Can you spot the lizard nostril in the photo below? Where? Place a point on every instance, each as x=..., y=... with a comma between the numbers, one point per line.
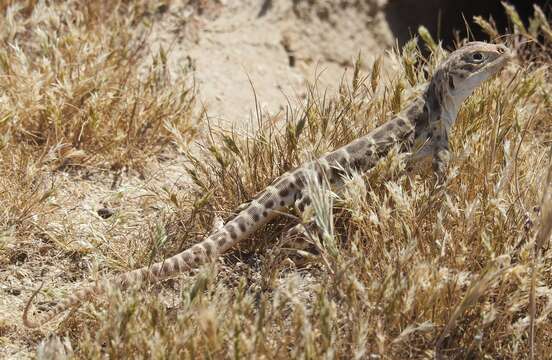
x=501, y=50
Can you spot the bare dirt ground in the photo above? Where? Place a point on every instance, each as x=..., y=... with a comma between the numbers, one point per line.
x=237, y=49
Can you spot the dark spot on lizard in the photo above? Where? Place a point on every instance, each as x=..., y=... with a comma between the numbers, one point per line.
x=359, y=163
x=241, y=224
x=301, y=178
x=253, y=212
x=231, y=230
x=451, y=82
x=356, y=146
x=401, y=123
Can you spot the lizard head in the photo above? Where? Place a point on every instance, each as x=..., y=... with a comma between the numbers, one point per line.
x=461, y=73
x=472, y=64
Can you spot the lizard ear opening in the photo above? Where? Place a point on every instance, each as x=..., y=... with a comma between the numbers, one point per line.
x=451, y=82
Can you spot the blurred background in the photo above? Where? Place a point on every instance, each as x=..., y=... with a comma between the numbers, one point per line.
x=448, y=19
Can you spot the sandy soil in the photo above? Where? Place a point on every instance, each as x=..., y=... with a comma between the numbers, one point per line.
x=236, y=49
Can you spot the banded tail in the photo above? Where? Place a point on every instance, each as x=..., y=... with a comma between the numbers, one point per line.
x=275, y=198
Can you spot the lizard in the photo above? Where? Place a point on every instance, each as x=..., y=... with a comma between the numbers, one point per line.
x=421, y=129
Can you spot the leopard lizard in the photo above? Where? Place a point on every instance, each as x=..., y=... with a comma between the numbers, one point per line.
x=421, y=129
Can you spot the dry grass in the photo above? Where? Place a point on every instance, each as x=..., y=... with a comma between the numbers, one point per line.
x=405, y=269
x=76, y=88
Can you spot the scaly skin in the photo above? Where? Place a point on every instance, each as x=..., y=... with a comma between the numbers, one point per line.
x=421, y=129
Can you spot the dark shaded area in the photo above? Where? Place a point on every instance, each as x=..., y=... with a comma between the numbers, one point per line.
x=445, y=18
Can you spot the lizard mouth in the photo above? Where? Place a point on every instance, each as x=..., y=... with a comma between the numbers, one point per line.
x=496, y=65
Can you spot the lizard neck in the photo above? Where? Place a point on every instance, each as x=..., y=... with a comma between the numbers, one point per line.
x=440, y=104
x=444, y=96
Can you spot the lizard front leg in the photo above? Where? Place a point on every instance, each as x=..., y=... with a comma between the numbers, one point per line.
x=440, y=151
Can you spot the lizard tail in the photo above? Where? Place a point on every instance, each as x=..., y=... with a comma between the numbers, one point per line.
x=179, y=263
x=214, y=245
x=67, y=303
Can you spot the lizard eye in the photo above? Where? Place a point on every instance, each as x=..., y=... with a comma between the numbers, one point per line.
x=477, y=56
